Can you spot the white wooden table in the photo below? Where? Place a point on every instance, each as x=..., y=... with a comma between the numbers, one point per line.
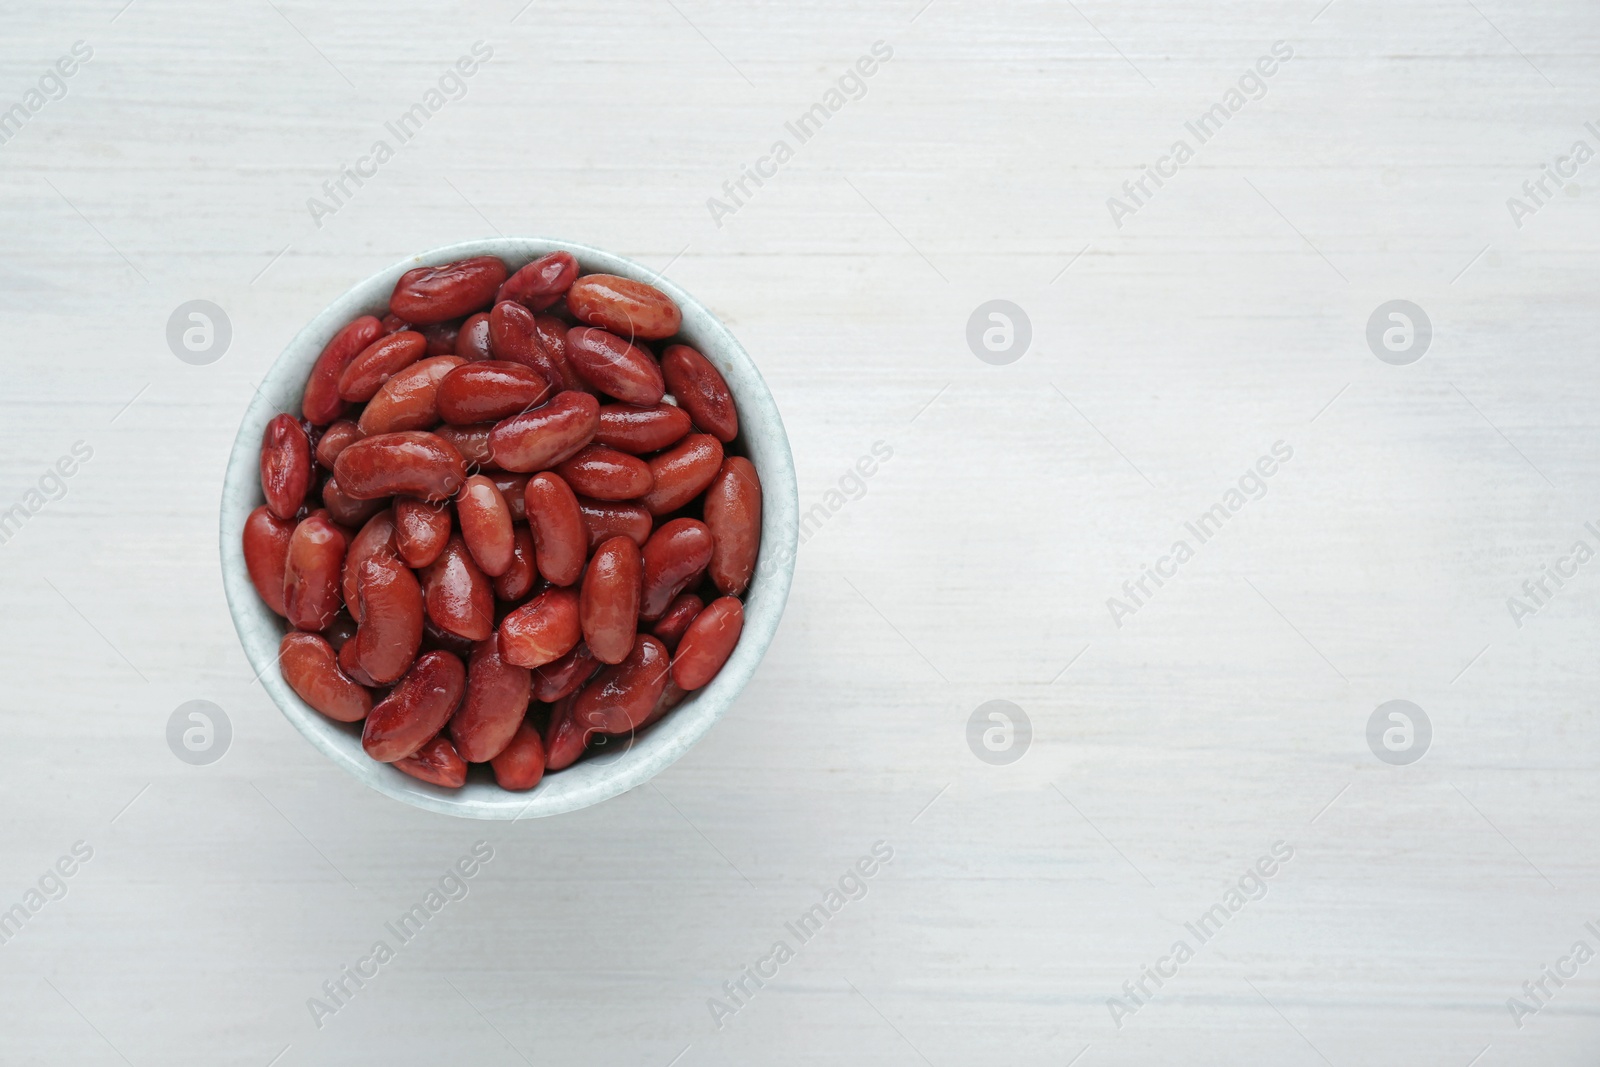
x=1169, y=754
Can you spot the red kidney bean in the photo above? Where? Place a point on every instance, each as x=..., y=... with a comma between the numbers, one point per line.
x=682, y=473
x=700, y=390
x=472, y=342
x=457, y=594
x=605, y=519
x=390, y=632
x=441, y=338
x=565, y=676
x=489, y=390
x=605, y=474
x=285, y=465
x=520, y=765
x=352, y=668
x=436, y=763
x=346, y=510
x=608, y=604
x=732, y=511
x=412, y=462
x=393, y=323
x=410, y=399
x=322, y=403
x=517, y=581
x=380, y=361
x=708, y=643
x=336, y=439
x=494, y=706
x=538, y=439
x=541, y=283
x=565, y=738
x=614, y=366
x=511, y=487
x=620, y=697
x=311, y=573
x=485, y=527
x=433, y=294
x=535, y=341
x=674, y=558
x=671, y=697
x=640, y=430
x=623, y=306
x=311, y=667
x=421, y=530
x=676, y=619
x=435, y=638
x=550, y=332
x=416, y=709
x=266, y=552
x=560, y=537
x=542, y=630
x=471, y=441
x=376, y=538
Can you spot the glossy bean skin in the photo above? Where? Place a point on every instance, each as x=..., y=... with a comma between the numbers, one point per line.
x=638, y=430
x=346, y=510
x=421, y=530
x=708, y=643
x=615, y=366
x=266, y=552
x=623, y=306
x=489, y=390
x=701, y=391
x=410, y=399
x=512, y=487
x=565, y=676
x=285, y=465
x=393, y=323
x=682, y=473
x=434, y=294
x=410, y=463
x=539, y=439
x=376, y=538
x=435, y=638
x=514, y=336
x=674, y=558
x=520, y=765
x=311, y=667
x=551, y=334
x=380, y=361
x=485, y=527
x=540, y=283
x=517, y=581
x=605, y=474
x=311, y=596
x=335, y=439
x=416, y=709
x=605, y=519
x=457, y=594
x=441, y=337
x=565, y=738
x=560, y=538
x=542, y=630
x=732, y=512
x=671, y=697
x=390, y=632
x=608, y=602
x=471, y=441
x=322, y=403
x=436, y=763
x=676, y=619
x=495, y=704
x=351, y=667
x=622, y=696
x=472, y=342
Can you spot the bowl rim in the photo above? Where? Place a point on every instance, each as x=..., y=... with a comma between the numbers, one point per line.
x=597, y=778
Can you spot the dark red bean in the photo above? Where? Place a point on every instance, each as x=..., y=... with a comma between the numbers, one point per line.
x=517, y=581
x=472, y=343
x=457, y=593
x=346, y=510
x=605, y=519
x=433, y=294
x=311, y=596
x=542, y=282
x=623, y=306
x=494, y=706
x=322, y=403
x=471, y=441
x=614, y=366
x=674, y=558
x=708, y=643
x=285, y=466
x=542, y=630
x=441, y=337
x=539, y=439
x=560, y=537
x=489, y=390
x=417, y=708
x=336, y=439
x=682, y=473
x=565, y=676
x=421, y=530
x=351, y=667
x=605, y=474
x=410, y=399
x=376, y=538
x=676, y=619
x=641, y=430
x=266, y=550
x=380, y=361
x=485, y=527
x=608, y=604
x=565, y=738
x=511, y=487
x=732, y=511
x=520, y=765
x=311, y=667
x=701, y=391
x=411, y=463
x=620, y=697
x=436, y=763
x=550, y=332
x=390, y=632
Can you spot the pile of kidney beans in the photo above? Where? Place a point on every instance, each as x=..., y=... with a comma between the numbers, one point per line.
x=502, y=526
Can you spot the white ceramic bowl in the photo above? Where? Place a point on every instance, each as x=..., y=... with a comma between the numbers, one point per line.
x=597, y=777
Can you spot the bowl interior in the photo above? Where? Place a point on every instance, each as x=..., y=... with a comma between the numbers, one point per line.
x=630, y=761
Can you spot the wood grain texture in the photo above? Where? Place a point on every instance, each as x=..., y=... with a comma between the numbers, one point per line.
x=1228, y=313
